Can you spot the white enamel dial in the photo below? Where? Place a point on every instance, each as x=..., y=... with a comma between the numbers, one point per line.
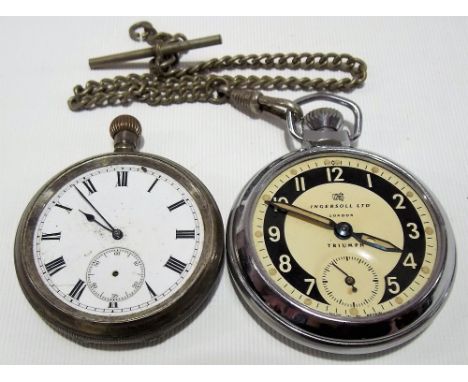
x=118, y=240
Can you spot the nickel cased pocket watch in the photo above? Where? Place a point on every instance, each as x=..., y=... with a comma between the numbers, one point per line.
x=120, y=249
x=337, y=248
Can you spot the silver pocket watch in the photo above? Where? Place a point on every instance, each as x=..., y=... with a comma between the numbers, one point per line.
x=337, y=248
x=120, y=249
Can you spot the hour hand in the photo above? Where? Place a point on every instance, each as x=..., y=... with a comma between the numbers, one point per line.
x=92, y=218
x=308, y=216
x=376, y=242
x=116, y=233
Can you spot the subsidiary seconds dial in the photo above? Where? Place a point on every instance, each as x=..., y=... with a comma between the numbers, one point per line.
x=349, y=281
x=108, y=268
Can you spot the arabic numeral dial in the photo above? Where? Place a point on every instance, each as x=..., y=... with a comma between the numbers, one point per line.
x=347, y=237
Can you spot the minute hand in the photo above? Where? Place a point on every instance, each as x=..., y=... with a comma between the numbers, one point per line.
x=94, y=208
x=306, y=215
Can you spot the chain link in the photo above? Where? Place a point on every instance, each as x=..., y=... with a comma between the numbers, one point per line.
x=167, y=84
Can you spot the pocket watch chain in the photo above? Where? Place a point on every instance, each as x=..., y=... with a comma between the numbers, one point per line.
x=167, y=83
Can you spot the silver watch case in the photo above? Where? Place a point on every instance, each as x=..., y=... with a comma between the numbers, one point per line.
x=135, y=329
x=313, y=329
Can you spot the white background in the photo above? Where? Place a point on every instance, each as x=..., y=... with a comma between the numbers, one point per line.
x=414, y=105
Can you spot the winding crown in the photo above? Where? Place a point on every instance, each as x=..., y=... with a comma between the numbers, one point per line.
x=125, y=122
x=324, y=117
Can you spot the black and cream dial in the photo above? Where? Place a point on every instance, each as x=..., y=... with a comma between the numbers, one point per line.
x=117, y=240
x=342, y=212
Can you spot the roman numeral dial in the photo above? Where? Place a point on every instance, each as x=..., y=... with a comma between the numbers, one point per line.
x=89, y=186
x=176, y=205
x=68, y=209
x=153, y=184
x=118, y=240
x=185, y=234
x=122, y=178
x=150, y=290
x=51, y=236
x=78, y=289
x=55, y=265
x=175, y=265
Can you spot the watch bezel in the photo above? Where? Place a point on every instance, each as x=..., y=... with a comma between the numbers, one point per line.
x=139, y=327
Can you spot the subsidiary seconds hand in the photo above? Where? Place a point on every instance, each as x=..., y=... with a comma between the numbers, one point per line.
x=349, y=280
x=117, y=234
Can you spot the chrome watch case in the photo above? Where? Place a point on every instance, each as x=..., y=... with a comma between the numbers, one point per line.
x=328, y=333
x=142, y=328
